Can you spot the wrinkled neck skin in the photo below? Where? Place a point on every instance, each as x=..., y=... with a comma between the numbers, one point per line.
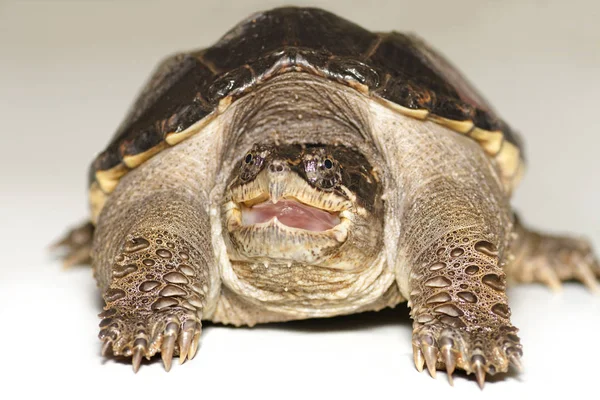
x=302, y=109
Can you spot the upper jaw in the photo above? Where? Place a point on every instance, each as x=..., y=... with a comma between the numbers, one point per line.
x=287, y=186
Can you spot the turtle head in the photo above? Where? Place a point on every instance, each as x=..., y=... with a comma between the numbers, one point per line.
x=309, y=204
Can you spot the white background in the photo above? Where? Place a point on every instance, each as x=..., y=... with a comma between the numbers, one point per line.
x=68, y=71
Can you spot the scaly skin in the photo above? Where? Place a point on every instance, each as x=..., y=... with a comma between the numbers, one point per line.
x=460, y=311
x=454, y=227
x=155, y=299
x=153, y=260
x=455, y=244
x=448, y=229
x=536, y=257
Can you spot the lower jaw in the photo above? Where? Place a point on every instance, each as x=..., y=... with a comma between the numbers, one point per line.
x=273, y=242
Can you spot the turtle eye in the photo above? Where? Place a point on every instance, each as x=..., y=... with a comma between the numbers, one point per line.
x=252, y=164
x=322, y=171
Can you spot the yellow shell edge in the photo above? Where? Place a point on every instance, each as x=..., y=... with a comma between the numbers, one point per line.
x=108, y=179
x=133, y=161
x=409, y=112
x=491, y=141
x=175, y=137
x=97, y=198
x=463, y=127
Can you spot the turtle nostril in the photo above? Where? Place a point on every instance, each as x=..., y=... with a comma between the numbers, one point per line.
x=276, y=167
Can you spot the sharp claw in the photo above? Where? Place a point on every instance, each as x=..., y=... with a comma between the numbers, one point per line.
x=595, y=266
x=418, y=357
x=60, y=243
x=479, y=374
x=168, y=344
x=166, y=353
x=549, y=277
x=450, y=379
x=185, y=340
x=430, y=353
x=450, y=360
x=515, y=360
x=106, y=347
x=79, y=256
x=138, y=352
x=194, y=345
x=586, y=276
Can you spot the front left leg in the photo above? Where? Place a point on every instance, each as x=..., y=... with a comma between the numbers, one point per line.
x=460, y=309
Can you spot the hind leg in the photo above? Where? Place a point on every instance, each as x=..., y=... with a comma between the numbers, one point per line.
x=550, y=259
x=78, y=245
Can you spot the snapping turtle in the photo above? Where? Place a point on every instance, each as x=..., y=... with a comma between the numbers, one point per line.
x=305, y=167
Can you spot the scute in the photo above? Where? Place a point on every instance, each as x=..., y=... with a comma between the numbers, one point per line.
x=187, y=90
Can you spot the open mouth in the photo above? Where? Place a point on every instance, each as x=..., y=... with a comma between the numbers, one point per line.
x=286, y=221
x=291, y=213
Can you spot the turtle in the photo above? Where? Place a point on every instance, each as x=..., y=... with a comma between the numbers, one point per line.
x=305, y=167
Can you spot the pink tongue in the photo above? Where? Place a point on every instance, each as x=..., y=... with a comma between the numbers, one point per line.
x=291, y=213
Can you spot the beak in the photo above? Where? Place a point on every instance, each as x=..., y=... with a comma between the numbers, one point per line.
x=276, y=174
x=276, y=191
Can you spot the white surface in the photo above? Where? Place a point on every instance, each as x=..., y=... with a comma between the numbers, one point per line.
x=69, y=71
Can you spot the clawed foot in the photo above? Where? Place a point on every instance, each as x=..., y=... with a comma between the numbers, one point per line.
x=176, y=331
x=553, y=259
x=478, y=350
x=78, y=245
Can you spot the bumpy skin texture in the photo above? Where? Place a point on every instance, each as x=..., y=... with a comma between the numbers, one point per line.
x=455, y=228
x=460, y=308
x=153, y=261
x=155, y=297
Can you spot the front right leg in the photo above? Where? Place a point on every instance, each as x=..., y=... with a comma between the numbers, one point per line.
x=155, y=298
x=154, y=262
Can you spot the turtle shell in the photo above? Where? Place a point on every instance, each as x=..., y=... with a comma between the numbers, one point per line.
x=187, y=90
